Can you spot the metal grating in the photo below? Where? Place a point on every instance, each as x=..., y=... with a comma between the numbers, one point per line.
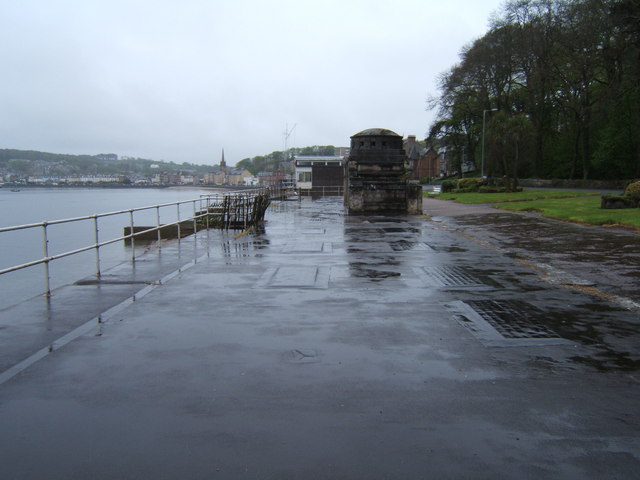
x=400, y=230
x=444, y=276
x=512, y=319
x=404, y=245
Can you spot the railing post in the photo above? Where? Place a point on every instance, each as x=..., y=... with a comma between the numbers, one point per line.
x=158, y=225
x=97, y=244
x=195, y=220
x=178, y=210
x=133, y=238
x=45, y=251
x=207, y=210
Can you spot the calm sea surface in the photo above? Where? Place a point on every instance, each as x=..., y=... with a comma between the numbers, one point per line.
x=33, y=205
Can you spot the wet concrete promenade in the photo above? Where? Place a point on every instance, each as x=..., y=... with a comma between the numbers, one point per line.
x=468, y=344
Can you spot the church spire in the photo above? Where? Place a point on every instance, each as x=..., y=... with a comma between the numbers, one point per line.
x=223, y=164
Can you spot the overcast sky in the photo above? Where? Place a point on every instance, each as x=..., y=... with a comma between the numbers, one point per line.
x=179, y=80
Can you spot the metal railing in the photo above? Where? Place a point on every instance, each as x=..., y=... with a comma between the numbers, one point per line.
x=201, y=213
x=321, y=191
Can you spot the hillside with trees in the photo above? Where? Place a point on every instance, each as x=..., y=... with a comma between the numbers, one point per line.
x=279, y=161
x=554, y=85
x=31, y=162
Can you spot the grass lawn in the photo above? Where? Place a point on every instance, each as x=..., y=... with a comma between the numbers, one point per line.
x=510, y=197
x=573, y=206
x=579, y=209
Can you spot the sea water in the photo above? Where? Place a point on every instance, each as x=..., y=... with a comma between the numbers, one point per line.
x=35, y=205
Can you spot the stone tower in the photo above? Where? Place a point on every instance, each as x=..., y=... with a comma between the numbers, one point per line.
x=376, y=177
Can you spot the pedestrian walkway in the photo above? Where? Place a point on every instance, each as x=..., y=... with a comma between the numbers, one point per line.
x=605, y=259
x=336, y=347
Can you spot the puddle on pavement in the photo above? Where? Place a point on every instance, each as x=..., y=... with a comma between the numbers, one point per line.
x=609, y=361
x=450, y=249
x=400, y=230
x=369, y=270
x=374, y=275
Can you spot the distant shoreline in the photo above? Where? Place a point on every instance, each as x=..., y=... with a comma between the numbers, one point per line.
x=128, y=186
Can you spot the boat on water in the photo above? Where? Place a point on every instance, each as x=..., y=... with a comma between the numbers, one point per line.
x=15, y=189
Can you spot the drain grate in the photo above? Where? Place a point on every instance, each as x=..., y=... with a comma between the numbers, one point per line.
x=400, y=230
x=452, y=277
x=404, y=245
x=505, y=323
x=512, y=319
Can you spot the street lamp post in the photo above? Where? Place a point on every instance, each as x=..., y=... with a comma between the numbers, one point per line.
x=484, y=116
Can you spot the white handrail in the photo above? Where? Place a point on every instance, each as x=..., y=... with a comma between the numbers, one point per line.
x=204, y=202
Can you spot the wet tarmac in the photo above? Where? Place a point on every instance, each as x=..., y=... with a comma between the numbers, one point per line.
x=467, y=344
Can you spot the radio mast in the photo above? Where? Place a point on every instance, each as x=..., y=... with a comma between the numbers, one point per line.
x=287, y=133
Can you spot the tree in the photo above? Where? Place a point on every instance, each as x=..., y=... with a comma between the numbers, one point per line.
x=510, y=135
x=571, y=68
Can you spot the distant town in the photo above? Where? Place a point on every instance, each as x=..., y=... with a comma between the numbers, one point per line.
x=311, y=169
x=33, y=168
x=306, y=168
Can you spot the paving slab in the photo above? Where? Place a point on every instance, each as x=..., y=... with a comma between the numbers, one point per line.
x=334, y=346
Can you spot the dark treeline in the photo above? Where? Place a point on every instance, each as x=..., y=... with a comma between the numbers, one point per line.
x=556, y=86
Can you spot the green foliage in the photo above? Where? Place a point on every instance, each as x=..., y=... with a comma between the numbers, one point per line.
x=633, y=190
x=321, y=150
x=449, y=186
x=564, y=78
x=281, y=161
x=244, y=163
x=470, y=184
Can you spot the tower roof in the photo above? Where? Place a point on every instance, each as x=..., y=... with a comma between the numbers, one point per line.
x=376, y=132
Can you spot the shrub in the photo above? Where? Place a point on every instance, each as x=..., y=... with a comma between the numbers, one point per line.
x=448, y=186
x=470, y=184
x=467, y=182
x=633, y=190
